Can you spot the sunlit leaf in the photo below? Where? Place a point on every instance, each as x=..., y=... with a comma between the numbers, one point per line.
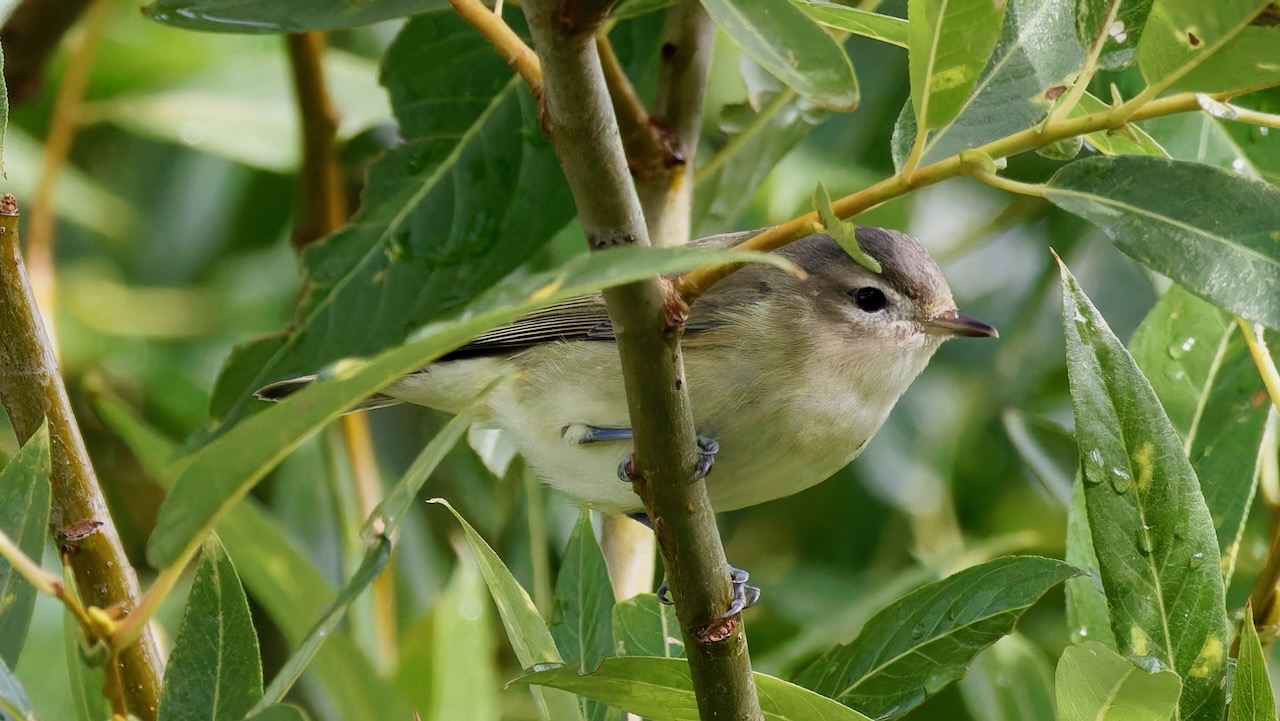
x=280, y=16
x=214, y=671
x=444, y=216
x=527, y=632
x=662, y=690
x=1219, y=243
x=1095, y=684
x=1208, y=47
x=927, y=639
x=884, y=28
x=24, y=518
x=788, y=44
x=644, y=626
x=1010, y=681
x=1037, y=50
x=1132, y=140
x=949, y=42
x=218, y=475
x=1251, y=696
x=1156, y=545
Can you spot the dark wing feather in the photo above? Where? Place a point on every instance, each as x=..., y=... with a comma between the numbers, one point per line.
x=577, y=319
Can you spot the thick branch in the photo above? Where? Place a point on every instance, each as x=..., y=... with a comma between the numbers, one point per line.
x=647, y=318
x=31, y=389
x=29, y=37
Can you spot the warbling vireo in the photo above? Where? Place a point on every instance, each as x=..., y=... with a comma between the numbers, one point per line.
x=790, y=376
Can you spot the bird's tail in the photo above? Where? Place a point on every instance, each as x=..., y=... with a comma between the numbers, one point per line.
x=280, y=390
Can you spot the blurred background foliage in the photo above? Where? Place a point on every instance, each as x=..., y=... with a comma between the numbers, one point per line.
x=173, y=217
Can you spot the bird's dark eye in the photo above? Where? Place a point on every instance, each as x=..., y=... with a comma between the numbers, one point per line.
x=869, y=299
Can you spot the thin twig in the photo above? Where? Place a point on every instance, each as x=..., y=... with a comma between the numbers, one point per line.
x=642, y=140
x=696, y=282
x=579, y=120
x=57, y=146
x=500, y=35
x=322, y=203
x=32, y=390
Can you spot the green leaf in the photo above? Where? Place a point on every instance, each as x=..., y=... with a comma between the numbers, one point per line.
x=280, y=16
x=841, y=231
x=788, y=44
x=662, y=690
x=445, y=216
x=1220, y=243
x=1047, y=449
x=1095, y=684
x=279, y=577
x=86, y=678
x=1192, y=45
x=24, y=518
x=1200, y=137
x=215, y=671
x=1251, y=696
x=14, y=703
x=1155, y=541
x=927, y=639
x=1087, y=614
x=279, y=712
x=950, y=42
x=1132, y=140
x=1200, y=368
x=885, y=28
x=447, y=665
x=530, y=639
x=582, y=619
x=375, y=559
x=1036, y=50
x=757, y=134
x=218, y=475
x=1096, y=21
x=644, y=626
x=1010, y=681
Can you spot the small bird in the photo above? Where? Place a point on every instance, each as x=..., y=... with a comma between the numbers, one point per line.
x=789, y=377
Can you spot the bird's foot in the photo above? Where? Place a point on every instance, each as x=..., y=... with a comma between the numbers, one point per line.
x=744, y=596
x=707, y=450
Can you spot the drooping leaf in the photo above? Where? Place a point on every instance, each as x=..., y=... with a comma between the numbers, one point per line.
x=1117, y=24
x=1219, y=243
x=842, y=231
x=1037, y=50
x=447, y=665
x=643, y=626
x=757, y=134
x=949, y=43
x=1095, y=684
x=444, y=216
x=215, y=670
x=783, y=40
x=1251, y=696
x=884, y=28
x=218, y=475
x=278, y=576
x=1200, y=368
x=1155, y=541
x=1087, y=614
x=24, y=518
x=582, y=619
x=280, y=16
x=1208, y=47
x=927, y=639
x=14, y=703
x=662, y=690
x=527, y=632
x=1133, y=140
x=1010, y=681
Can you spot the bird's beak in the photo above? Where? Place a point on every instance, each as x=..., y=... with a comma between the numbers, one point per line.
x=953, y=322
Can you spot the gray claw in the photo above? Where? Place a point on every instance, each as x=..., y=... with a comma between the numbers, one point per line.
x=663, y=590
x=744, y=596
x=707, y=450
